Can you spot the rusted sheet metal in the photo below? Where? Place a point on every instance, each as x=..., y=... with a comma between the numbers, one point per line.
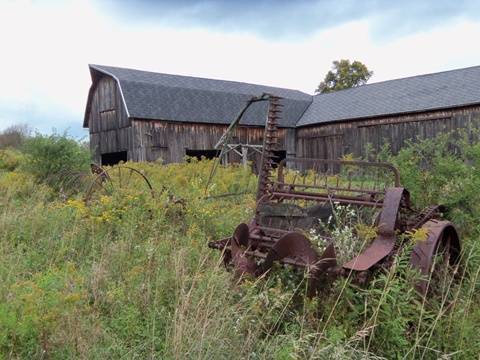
x=295, y=246
x=441, y=234
x=385, y=241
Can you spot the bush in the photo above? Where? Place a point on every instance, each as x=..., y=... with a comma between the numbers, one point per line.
x=49, y=156
x=10, y=159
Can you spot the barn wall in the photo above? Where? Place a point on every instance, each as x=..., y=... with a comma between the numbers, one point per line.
x=331, y=141
x=169, y=140
x=108, y=123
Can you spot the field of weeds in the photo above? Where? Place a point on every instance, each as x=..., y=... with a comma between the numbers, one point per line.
x=130, y=276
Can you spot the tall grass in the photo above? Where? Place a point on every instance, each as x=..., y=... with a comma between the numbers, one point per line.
x=130, y=276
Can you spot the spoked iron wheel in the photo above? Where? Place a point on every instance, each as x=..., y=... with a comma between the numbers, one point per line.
x=437, y=258
x=118, y=179
x=70, y=183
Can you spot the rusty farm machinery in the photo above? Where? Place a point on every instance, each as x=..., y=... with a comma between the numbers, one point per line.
x=297, y=220
x=102, y=181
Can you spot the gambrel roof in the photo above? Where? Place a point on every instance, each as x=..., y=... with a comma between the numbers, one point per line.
x=149, y=95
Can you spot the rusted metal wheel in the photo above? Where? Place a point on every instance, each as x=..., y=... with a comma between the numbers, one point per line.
x=118, y=179
x=70, y=183
x=437, y=258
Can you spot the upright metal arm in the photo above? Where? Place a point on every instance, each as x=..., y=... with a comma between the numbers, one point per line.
x=225, y=138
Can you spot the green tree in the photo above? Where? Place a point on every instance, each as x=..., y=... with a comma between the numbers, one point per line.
x=344, y=75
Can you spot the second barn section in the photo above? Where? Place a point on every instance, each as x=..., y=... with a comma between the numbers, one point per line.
x=144, y=116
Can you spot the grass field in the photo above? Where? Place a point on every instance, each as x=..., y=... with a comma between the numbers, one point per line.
x=128, y=276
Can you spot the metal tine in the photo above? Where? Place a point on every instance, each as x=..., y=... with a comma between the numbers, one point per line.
x=129, y=176
x=362, y=177
x=119, y=177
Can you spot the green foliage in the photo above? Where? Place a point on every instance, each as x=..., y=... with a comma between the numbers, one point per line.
x=10, y=159
x=444, y=170
x=344, y=75
x=50, y=156
x=131, y=276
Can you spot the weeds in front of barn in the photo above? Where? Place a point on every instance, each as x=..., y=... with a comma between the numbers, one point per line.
x=131, y=276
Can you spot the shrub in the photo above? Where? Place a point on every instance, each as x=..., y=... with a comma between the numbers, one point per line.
x=50, y=156
x=10, y=159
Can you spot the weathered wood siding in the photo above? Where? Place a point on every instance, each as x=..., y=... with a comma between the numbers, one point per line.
x=170, y=140
x=331, y=141
x=109, y=125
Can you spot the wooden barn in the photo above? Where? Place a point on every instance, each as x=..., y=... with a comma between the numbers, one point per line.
x=144, y=116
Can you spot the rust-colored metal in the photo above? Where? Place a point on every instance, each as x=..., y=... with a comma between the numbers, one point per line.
x=114, y=179
x=441, y=236
x=289, y=205
x=385, y=240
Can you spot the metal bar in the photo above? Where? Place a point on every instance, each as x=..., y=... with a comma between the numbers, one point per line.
x=326, y=198
x=371, y=192
x=363, y=164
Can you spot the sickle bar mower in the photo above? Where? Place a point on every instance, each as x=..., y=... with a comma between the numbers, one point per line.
x=294, y=204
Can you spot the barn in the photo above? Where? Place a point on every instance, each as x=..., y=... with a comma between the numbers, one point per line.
x=144, y=116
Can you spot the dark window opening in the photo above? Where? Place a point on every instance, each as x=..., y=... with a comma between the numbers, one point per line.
x=114, y=158
x=208, y=154
x=278, y=155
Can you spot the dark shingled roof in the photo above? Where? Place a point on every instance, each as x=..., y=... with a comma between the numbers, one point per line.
x=151, y=95
x=413, y=94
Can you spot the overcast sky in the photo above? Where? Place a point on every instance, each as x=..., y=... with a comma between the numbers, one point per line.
x=45, y=46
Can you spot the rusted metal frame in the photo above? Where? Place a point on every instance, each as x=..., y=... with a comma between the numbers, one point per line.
x=350, y=189
x=239, y=116
x=426, y=215
x=266, y=228
x=269, y=144
x=385, y=240
x=330, y=194
x=325, y=198
x=225, y=138
x=384, y=165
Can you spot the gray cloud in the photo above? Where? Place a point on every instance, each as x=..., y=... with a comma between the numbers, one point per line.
x=283, y=18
